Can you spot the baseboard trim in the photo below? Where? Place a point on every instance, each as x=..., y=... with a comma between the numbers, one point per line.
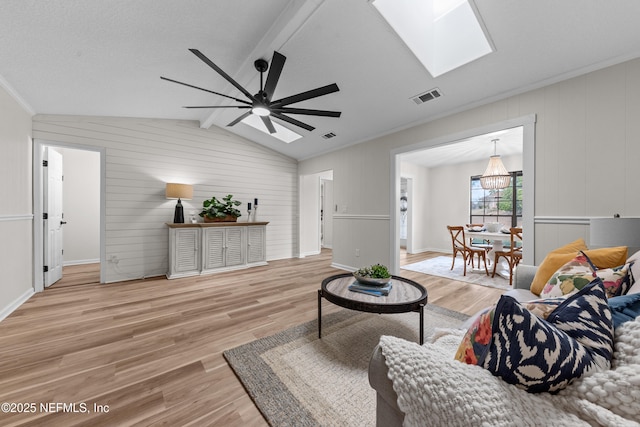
x=306, y=254
x=343, y=267
x=81, y=262
x=422, y=250
x=15, y=304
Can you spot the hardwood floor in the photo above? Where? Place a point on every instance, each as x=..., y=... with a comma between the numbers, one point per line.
x=78, y=275
x=151, y=350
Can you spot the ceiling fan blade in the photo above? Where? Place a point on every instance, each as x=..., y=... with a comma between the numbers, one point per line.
x=307, y=112
x=267, y=122
x=241, y=118
x=314, y=93
x=218, y=106
x=292, y=121
x=275, y=69
x=207, y=61
x=206, y=90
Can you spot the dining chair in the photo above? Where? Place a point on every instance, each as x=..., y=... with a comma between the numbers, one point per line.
x=512, y=254
x=459, y=243
x=475, y=241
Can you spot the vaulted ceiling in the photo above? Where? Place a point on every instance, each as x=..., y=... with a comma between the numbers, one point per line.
x=105, y=58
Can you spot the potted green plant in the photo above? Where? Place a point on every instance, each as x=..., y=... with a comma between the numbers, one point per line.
x=214, y=210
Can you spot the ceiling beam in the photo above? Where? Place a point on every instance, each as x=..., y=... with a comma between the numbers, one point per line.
x=290, y=21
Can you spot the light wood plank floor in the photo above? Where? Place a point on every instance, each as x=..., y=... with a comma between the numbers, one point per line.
x=151, y=350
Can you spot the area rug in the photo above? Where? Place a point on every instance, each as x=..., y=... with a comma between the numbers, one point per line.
x=441, y=266
x=296, y=379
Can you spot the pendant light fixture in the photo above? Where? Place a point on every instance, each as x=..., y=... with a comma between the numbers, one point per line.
x=496, y=175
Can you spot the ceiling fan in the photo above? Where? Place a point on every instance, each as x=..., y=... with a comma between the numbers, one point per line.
x=261, y=104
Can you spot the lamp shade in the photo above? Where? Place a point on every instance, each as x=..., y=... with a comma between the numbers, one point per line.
x=608, y=232
x=496, y=175
x=179, y=191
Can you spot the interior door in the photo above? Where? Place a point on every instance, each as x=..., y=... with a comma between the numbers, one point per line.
x=54, y=220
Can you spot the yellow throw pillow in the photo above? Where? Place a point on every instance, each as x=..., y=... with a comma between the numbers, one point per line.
x=601, y=258
x=608, y=257
x=553, y=261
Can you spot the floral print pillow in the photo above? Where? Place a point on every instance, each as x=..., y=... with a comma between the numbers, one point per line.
x=475, y=343
x=579, y=272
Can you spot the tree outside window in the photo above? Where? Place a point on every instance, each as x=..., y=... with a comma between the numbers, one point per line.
x=503, y=206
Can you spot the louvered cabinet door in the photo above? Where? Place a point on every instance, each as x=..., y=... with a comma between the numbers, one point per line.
x=256, y=244
x=234, y=255
x=184, y=248
x=214, y=248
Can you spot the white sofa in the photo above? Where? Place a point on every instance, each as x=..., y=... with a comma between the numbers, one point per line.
x=457, y=394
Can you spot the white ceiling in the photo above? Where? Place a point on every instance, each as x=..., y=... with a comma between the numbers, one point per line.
x=509, y=142
x=105, y=57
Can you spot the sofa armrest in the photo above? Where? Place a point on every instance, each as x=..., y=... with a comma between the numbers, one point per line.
x=387, y=411
x=524, y=276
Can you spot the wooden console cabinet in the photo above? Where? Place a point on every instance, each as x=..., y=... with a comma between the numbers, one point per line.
x=207, y=248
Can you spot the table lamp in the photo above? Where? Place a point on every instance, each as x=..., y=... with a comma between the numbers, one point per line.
x=179, y=191
x=615, y=231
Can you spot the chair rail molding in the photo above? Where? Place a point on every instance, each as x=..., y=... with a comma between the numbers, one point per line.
x=18, y=217
x=577, y=220
x=364, y=217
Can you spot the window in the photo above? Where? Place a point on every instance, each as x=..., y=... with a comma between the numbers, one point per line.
x=503, y=206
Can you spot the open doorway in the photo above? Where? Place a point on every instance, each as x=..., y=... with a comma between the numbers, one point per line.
x=425, y=217
x=316, y=213
x=406, y=227
x=70, y=235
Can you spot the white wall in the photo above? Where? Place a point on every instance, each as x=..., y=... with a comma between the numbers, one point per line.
x=81, y=205
x=586, y=156
x=447, y=199
x=144, y=154
x=16, y=213
x=420, y=206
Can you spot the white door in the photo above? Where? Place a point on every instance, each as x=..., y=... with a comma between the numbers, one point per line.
x=54, y=218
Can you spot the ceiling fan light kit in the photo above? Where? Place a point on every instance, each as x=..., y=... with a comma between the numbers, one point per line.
x=261, y=104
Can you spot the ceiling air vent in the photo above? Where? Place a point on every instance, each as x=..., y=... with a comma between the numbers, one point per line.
x=427, y=96
x=328, y=135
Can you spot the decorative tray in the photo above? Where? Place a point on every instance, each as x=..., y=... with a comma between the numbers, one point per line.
x=371, y=281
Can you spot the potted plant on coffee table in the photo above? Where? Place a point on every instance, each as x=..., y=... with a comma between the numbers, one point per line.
x=214, y=210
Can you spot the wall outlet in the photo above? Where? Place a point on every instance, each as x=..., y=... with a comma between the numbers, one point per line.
x=114, y=259
x=357, y=252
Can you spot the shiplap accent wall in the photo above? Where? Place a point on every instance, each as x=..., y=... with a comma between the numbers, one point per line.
x=144, y=154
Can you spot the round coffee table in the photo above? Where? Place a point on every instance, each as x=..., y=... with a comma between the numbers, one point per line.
x=405, y=296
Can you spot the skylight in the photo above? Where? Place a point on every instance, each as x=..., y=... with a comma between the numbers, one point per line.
x=442, y=34
x=282, y=133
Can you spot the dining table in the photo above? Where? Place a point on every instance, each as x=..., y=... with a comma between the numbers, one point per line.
x=497, y=240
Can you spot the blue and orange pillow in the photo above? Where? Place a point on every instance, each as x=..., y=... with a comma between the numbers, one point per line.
x=541, y=354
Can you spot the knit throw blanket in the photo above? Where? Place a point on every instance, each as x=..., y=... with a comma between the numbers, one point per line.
x=434, y=389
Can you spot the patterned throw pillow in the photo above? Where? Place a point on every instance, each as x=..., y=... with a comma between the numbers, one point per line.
x=476, y=340
x=580, y=271
x=475, y=343
x=617, y=281
x=546, y=355
x=601, y=258
x=571, y=277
